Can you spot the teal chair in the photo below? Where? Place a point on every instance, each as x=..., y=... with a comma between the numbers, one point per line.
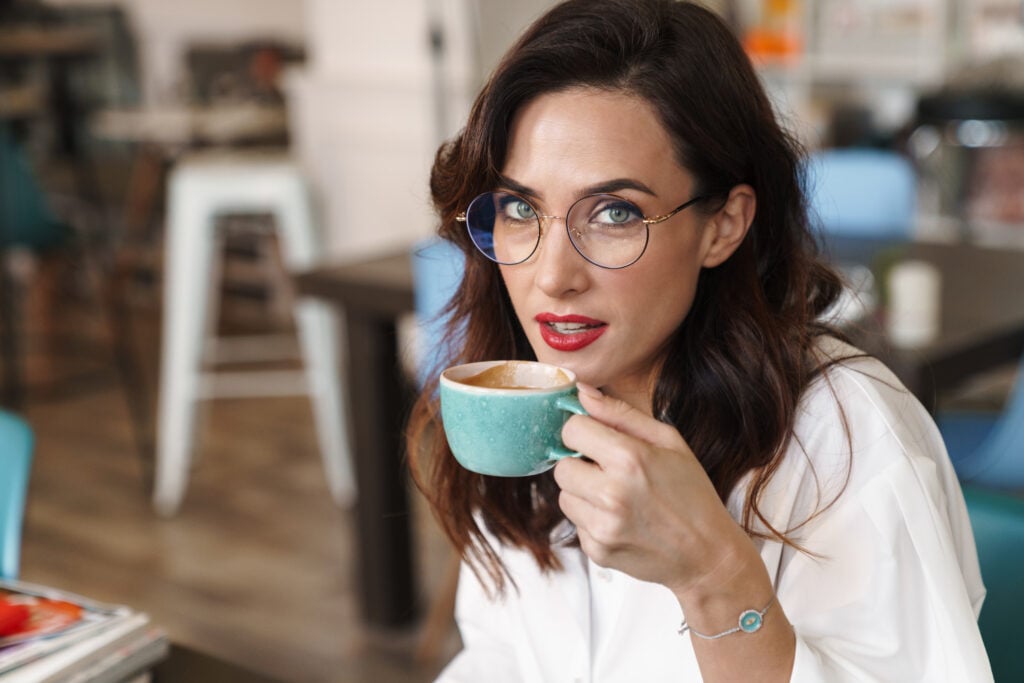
x=26, y=219
x=15, y=463
x=26, y=222
x=998, y=523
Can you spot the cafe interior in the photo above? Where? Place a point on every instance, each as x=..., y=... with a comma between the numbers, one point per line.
x=219, y=290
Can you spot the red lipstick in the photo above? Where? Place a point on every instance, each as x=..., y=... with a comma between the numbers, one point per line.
x=569, y=332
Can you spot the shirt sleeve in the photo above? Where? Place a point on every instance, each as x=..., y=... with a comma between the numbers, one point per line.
x=891, y=589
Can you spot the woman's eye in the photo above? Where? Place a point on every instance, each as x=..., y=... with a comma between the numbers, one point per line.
x=617, y=214
x=524, y=210
x=517, y=209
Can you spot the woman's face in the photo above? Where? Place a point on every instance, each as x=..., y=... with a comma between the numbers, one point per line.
x=609, y=326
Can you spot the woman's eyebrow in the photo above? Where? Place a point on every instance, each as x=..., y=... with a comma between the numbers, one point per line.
x=617, y=185
x=603, y=187
x=517, y=188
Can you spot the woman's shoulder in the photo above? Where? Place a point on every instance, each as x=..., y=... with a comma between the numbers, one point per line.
x=854, y=389
x=837, y=358
x=857, y=431
x=856, y=420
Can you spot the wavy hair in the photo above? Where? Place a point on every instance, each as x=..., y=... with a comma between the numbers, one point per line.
x=736, y=367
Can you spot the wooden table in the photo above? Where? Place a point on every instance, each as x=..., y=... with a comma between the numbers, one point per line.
x=371, y=296
x=177, y=127
x=982, y=326
x=981, y=312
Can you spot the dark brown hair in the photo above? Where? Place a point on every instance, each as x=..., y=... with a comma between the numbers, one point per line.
x=736, y=367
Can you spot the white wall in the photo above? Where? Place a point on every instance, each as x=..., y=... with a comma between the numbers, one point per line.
x=369, y=109
x=362, y=121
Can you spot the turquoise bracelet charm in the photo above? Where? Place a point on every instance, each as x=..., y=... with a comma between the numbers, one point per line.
x=750, y=621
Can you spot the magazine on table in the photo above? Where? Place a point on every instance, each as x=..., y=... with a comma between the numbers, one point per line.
x=39, y=621
x=111, y=655
x=131, y=656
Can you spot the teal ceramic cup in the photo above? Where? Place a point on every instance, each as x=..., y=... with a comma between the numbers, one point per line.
x=512, y=425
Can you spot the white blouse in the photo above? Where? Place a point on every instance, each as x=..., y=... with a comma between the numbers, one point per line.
x=891, y=593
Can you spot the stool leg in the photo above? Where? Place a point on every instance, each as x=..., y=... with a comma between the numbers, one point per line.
x=190, y=241
x=318, y=333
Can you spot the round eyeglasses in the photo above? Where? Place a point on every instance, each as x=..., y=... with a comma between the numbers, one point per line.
x=606, y=230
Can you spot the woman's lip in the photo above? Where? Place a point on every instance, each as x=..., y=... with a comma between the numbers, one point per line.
x=569, y=341
x=552, y=318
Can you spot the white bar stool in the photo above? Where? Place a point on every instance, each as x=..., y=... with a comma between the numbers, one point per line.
x=201, y=188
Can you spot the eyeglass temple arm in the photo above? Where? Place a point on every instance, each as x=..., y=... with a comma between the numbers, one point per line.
x=664, y=217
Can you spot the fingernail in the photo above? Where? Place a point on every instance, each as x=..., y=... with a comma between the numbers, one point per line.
x=592, y=392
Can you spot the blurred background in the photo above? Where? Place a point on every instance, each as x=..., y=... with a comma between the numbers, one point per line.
x=110, y=114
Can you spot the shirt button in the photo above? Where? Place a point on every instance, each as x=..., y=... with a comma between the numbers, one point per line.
x=604, y=574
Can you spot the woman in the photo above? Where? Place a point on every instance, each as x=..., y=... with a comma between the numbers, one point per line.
x=745, y=470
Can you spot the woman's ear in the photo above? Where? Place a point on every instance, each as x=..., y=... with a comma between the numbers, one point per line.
x=727, y=228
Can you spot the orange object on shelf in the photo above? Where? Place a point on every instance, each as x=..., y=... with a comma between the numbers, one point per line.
x=778, y=34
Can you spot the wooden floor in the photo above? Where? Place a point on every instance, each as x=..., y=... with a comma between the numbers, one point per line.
x=258, y=566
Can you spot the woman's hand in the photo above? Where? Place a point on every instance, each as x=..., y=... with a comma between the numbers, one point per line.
x=644, y=505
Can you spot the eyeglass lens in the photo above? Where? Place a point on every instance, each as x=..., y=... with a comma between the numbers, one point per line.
x=606, y=230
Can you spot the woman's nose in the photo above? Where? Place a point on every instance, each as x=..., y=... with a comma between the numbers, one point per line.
x=560, y=268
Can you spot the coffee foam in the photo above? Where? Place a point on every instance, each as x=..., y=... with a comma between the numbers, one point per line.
x=518, y=375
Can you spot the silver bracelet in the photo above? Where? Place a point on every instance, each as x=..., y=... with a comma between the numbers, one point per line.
x=750, y=621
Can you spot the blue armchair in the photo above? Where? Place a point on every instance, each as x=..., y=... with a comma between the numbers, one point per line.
x=437, y=268
x=988, y=448
x=862, y=192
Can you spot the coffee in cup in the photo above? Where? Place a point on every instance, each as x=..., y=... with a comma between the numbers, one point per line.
x=505, y=418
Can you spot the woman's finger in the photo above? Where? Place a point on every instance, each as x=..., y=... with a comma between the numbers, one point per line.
x=576, y=508
x=580, y=478
x=625, y=418
x=600, y=443
x=600, y=536
x=615, y=492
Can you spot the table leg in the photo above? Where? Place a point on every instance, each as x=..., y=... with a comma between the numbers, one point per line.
x=379, y=399
x=11, y=382
x=12, y=393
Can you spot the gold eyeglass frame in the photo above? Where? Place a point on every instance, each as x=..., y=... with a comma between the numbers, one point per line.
x=461, y=217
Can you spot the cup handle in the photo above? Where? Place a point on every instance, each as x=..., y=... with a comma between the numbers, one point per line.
x=569, y=403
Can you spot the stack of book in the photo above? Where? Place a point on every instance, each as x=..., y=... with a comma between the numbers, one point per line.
x=51, y=636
